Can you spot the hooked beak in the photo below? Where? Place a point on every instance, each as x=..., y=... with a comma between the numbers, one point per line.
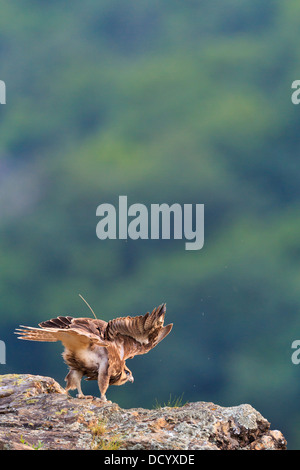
x=131, y=379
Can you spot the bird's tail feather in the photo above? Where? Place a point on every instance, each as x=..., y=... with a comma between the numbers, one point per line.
x=35, y=334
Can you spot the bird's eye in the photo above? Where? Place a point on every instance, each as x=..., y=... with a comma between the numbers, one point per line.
x=127, y=372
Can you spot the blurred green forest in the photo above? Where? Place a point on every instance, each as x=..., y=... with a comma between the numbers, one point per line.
x=171, y=101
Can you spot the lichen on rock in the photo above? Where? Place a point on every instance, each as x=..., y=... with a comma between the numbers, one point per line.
x=36, y=413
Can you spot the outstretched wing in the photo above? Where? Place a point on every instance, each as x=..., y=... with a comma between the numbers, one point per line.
x=74, y=333
x=138, y=335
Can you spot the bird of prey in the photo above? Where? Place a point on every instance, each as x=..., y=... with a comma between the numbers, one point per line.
x=98, y=349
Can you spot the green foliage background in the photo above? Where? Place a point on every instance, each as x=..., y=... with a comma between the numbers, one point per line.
x=162, y=101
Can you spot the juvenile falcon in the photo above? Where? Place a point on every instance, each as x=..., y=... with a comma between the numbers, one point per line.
x=98, y=349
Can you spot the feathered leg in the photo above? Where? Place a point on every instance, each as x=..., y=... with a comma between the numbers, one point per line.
x=73, y=380
x=103, y=380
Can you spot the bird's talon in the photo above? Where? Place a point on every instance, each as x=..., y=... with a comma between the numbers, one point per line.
x=84, y=397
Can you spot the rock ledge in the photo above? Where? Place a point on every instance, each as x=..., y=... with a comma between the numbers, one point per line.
x=36, y=413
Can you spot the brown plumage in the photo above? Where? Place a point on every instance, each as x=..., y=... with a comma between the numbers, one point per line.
x=97, y=349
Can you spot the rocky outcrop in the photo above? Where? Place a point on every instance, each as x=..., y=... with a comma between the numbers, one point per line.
x=36, y=413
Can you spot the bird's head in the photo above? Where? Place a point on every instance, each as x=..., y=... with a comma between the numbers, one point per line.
x=122, y=377
x=127, y=375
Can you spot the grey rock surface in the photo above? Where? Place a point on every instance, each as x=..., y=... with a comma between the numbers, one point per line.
x=36, y=413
